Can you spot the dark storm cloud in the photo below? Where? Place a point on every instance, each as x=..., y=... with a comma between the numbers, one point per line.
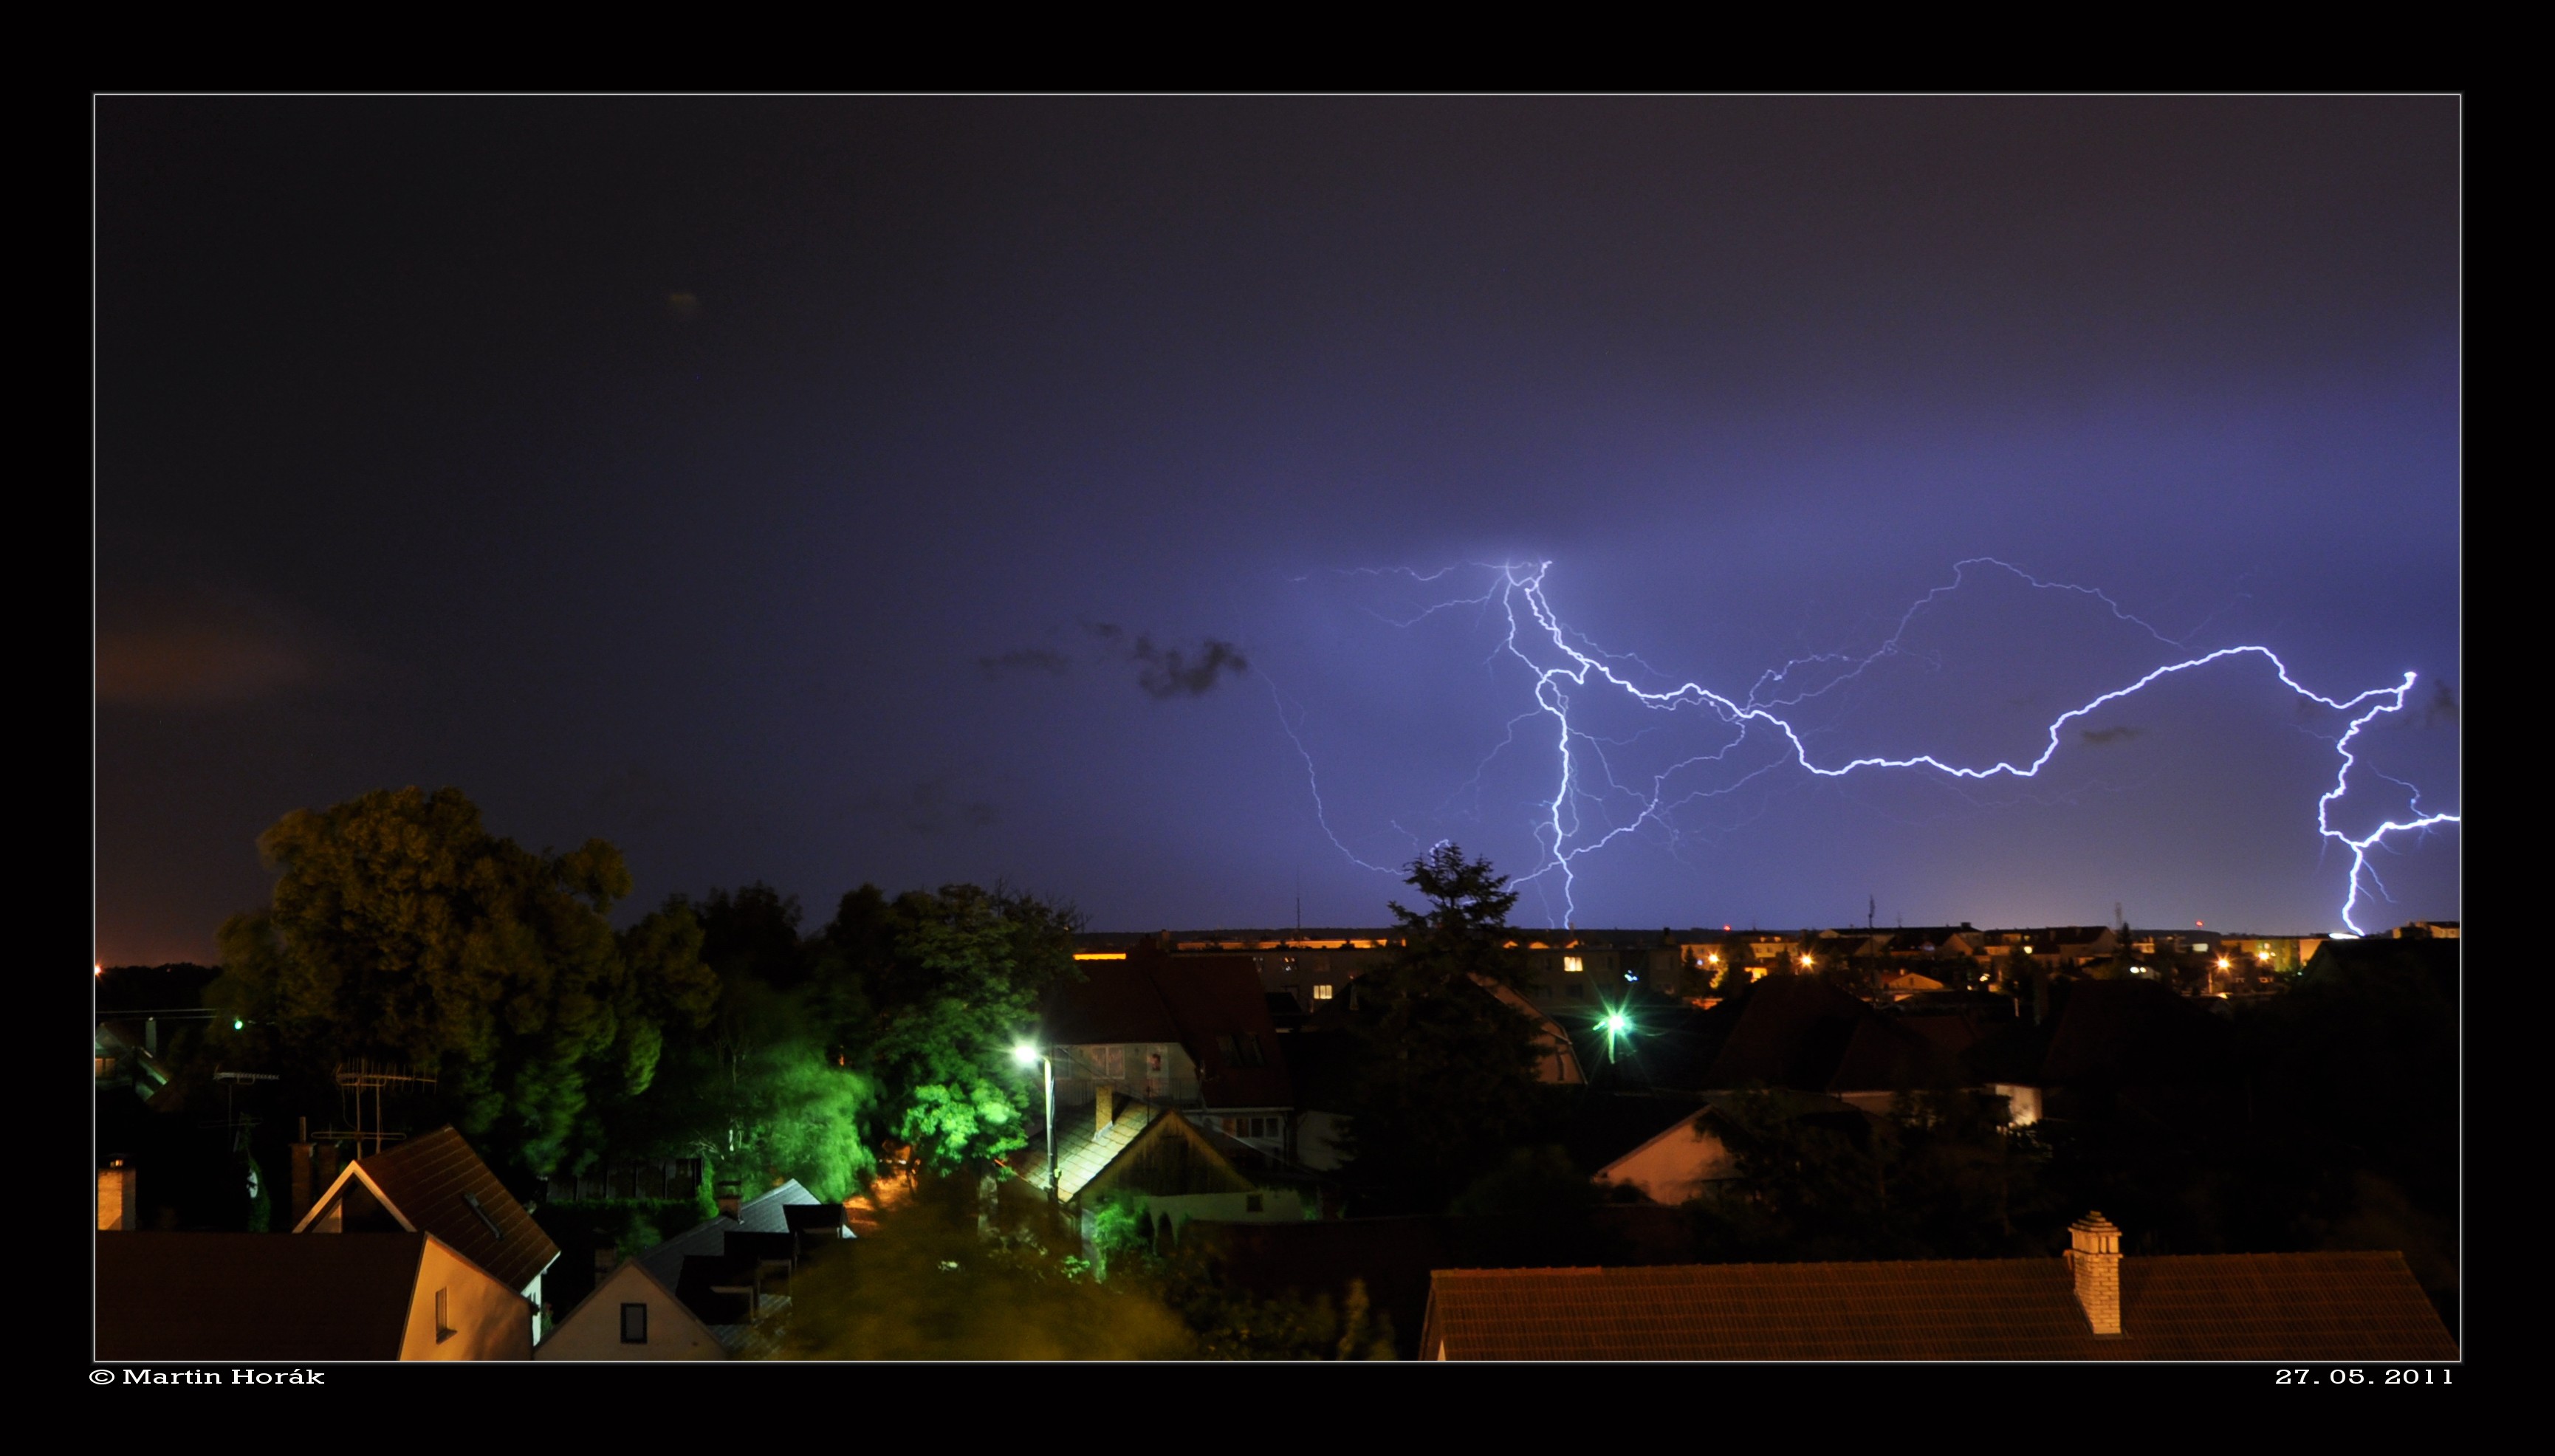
x=1174, y=671
x=2122, y=734
x=929, y=807
x=2443, y=707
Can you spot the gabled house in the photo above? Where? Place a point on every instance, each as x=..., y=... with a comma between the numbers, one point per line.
x=436, y=1184
x=2094, y=1303
x=631, y=1315
x=732, y=1273
x=257, y=1296
x=1157, y=1164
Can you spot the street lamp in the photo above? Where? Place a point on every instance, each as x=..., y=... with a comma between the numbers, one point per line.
x=1616, y=1024
x=1026, y=1054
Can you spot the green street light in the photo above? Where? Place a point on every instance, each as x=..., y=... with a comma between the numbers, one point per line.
x=1617, y=1024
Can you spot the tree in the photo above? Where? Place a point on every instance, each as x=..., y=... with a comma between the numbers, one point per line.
x=1447, y=1070
x=403, y=931
x=961, y=988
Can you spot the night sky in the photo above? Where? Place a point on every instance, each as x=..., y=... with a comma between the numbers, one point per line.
x=921, y=490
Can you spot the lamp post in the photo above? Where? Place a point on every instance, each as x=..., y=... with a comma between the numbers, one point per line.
x=1024, y=1054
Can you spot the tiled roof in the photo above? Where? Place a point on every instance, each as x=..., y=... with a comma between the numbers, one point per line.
x=1196, y=1001
x=2222, y=1306
x=255, y=1297
x=439, y=1186
x=1792, y=1033
x=1089, y=1148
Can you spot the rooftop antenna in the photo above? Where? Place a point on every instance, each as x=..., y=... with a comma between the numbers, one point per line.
x=1871, y=910
x=1299, y=902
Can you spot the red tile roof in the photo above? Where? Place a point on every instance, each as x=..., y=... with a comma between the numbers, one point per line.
x=1197, y=1000
x=439, y=1186
x=2221, y=1306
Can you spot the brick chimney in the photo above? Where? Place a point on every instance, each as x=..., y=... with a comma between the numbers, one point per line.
x=2094, y=1260
x=1103, y=1108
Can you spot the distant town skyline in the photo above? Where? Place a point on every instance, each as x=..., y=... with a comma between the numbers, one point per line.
x=1066, y=492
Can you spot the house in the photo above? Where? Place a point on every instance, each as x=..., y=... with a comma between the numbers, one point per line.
x=631, y=1315
x=398, y=1295
x=1161, y=1167
x=1673, y=1163
x=1192, y=1032
x=2093, y=1303
x=436, y=1184
x=731, y=1272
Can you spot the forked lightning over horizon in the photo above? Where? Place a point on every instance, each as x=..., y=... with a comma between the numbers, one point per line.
x=1573, y=665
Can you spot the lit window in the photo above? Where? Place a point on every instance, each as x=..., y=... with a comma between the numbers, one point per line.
x=1322, y=990
x=1573, y=964
x=634, y=1325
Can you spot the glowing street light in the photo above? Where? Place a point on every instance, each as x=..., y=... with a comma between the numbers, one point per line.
x=1616, y=1024
x=1026, y=1054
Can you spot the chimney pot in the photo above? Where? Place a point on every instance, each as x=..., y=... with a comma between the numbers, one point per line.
x=2094, y=1258
x=1104, y=1107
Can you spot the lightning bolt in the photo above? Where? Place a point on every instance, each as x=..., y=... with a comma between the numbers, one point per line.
x=1517, y=593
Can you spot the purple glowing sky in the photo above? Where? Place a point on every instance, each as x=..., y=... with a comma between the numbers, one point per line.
x=751, y=483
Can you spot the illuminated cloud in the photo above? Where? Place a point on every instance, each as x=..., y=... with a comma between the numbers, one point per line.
x=195, y=654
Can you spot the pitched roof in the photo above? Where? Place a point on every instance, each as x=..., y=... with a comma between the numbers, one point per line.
x=436, y=1184
x=1792, y=1033
x=1088, y=1152
x=768, y=1214
x=2216, y=1306
x=1212, y=1005
x=255, y=1297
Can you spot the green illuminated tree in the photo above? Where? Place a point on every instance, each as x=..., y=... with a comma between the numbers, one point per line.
x=962, y=986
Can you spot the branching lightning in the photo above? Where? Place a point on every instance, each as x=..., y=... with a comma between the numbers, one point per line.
x=1517, y=593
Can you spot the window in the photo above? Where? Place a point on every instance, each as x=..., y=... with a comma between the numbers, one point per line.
x=1322, y=990
x=444, y=1329
x=1573, y=964
x=1578, y=992
x=634, y=1325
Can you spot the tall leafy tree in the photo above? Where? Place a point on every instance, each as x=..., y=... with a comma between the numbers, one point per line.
x=962, y=987
x=1447, y=1072
x=403, y=931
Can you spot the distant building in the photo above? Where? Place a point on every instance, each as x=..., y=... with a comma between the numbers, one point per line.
x=2092, y=1305
x=732, y=1273
x=1190, y=1031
